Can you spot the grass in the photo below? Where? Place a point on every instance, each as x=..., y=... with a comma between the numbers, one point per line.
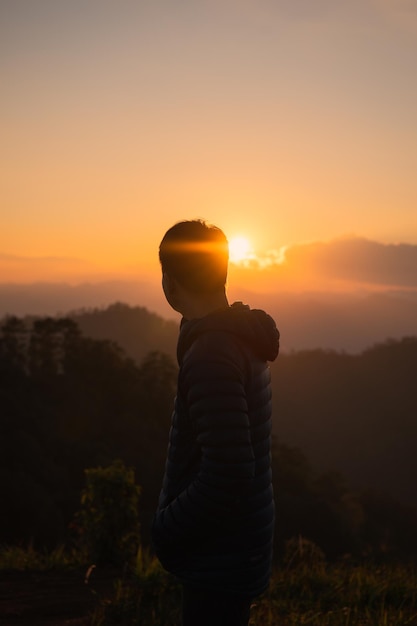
x=148, y=596
x=21, y=558
x=340, y=596
x=313, y=593
x=322, y=595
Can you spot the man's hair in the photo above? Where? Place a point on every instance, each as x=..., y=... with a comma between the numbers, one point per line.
x=196, y=254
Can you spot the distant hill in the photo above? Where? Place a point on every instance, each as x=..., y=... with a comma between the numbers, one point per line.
x=353, y=413
x=58, y=298
x=342, y=322
x=135, y=329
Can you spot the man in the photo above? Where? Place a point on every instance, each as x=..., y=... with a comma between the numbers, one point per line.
x=214, y=525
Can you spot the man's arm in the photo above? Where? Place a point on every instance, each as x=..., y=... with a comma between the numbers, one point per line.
x=213, y=383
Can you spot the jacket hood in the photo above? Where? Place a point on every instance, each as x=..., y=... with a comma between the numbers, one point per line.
x=253, y=326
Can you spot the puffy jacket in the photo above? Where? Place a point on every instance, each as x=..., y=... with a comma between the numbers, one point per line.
x=215, y=518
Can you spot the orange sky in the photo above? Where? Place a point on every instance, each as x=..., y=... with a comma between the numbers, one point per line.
x=285, y=121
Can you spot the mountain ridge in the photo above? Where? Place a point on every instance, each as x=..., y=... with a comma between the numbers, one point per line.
x=348, y=322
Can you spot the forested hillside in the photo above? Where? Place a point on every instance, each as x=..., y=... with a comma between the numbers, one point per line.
x=343, y=321
x=353, y=413
x=70, y=402
x=135, y=329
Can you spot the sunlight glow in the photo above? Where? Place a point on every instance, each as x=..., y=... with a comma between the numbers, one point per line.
x=240, y=249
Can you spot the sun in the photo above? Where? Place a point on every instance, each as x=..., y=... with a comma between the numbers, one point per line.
x=240, y=249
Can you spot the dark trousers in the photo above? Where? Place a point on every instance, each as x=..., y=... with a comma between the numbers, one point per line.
x=213, y=608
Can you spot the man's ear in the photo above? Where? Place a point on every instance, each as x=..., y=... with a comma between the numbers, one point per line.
x=172, y=292
x=169, y=284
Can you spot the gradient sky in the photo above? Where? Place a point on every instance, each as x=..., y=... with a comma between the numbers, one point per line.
x=288, y=121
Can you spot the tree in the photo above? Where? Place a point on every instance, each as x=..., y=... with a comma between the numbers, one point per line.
x=13, y=343
x=108, y=522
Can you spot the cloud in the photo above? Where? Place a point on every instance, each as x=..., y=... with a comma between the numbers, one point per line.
x=341, y=264
x=359, y=260
x=345, y=263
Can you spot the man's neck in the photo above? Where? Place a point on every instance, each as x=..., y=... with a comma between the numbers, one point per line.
x=196, y=308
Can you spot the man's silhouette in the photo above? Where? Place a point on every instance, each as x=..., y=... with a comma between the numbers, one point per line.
x=214, y=525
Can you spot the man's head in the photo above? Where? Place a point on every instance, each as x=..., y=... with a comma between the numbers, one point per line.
x=194, y=256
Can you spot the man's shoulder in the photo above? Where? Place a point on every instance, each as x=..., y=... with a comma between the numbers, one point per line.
x=215, y=341
x=217, y=348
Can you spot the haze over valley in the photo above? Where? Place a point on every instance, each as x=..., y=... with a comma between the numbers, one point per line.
x=345, y=295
